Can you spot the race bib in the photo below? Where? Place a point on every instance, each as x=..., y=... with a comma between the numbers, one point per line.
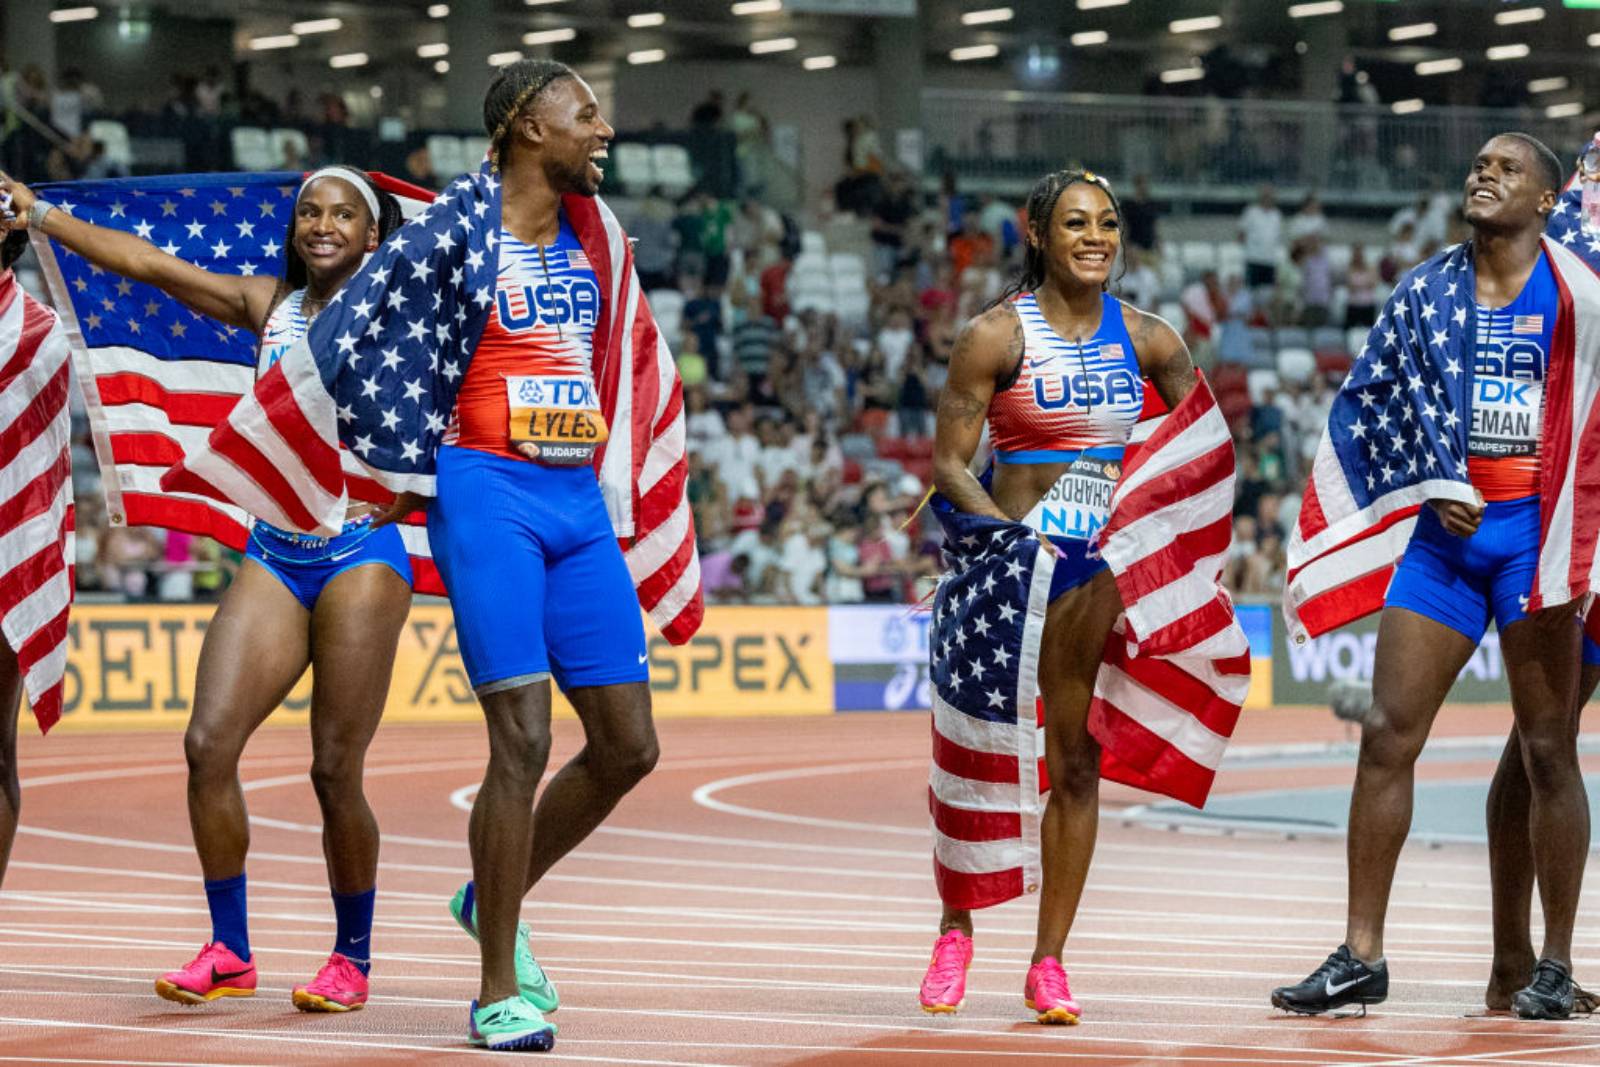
x=1505, y=416
x=555, y=419
x=1079, y=504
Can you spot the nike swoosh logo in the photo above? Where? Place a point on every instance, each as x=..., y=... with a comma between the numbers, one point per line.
x=223, y=976
x=358, y=940
x=1330, y=989
x=643, y=656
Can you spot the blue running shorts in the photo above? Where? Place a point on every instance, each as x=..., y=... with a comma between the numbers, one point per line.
x=1463, y=581
x=536, y=578
x=306, y=564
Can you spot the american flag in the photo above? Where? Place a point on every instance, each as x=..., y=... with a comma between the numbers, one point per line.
x=156, y=376
x=1397, y=437
x=1172, y=679
x=36, y=539
x=379, y=369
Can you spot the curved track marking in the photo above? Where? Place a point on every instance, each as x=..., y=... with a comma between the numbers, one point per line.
x=706, y=796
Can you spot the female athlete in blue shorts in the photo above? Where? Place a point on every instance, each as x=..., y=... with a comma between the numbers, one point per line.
x=336, y=604
x=1056, y=372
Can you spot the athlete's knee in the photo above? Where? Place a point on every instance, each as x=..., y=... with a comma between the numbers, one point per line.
x=520, y=750
x=336, y=775
x=210, y=753
x=624, y=766
x=1390, y=742
x=1551, y=759
x=1075, y=770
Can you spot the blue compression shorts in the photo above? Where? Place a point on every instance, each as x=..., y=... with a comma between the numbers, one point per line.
x=306, y=564
x=537, y=581
x=1074, y=567
x=1464, y=581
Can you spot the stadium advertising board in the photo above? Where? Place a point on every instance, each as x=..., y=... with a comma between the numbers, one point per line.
x=134, y=665
x=1301, y=674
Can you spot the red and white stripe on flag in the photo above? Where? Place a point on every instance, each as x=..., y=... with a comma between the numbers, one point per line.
x=147, y=413
x=1176, y=672
x=36, y=538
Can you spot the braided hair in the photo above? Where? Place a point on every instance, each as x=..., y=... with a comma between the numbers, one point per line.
x=1041, y=206
x=516, y=86
x=295, y=274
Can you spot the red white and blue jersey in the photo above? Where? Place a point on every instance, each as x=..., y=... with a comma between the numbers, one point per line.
x=1511, y=353
x=1067, y=396
x=531, y=376
x=286, y=325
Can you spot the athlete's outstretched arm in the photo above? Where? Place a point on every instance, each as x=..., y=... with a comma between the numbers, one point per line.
x=985, y=350
x=232, y=299
x=1163, y=357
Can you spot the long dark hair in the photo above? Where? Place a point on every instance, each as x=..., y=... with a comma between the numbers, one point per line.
x=513, y=89
x=1041, y=206
x=295, y=275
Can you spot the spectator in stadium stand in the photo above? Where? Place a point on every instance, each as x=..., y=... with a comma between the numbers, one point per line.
x=1361, y=284
x=707, y=114
x=1316, y=281
x=968, y=245
x=890, y=218
x=1261, y=231
x=1142, y=215
x=702, y=316
x=1308, y=222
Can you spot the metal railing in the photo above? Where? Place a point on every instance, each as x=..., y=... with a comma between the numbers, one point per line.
x=1351, y=153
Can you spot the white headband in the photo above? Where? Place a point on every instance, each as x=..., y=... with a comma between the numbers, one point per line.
x=345, y=174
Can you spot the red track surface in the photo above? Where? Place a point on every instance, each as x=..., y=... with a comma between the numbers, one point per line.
x=763, y=898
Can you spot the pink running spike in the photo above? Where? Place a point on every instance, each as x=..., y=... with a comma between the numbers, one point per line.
x=1048, y=994
x=216, y=972
x=339, y=986
x=944, y=987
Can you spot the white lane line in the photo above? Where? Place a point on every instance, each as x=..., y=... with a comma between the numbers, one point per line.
x=120, y=1062
x=706, y=796
x=240, y=1035
x=1492, y=1057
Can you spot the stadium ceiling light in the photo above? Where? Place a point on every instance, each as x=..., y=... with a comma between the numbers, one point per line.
x=1413, y=31
x=1568, y=110
x=1547, y=85
x=565, y=33
x=647, y=55
x=1204, y=22
x=1085, y=38
x=1407, y=107
x=348, y=59
x=987, y=15
x=1522, y=14
x=1594, y=40
x=1507, y=51
x=1092, y=5
x=1182, y=74
x=441, y=66
x=645, y=19
x=757, y=7
x=773, y=44
x=1439, y=66
x=433, y=51
x=1323, y=7
x=819, y=62
x=74, y=14
x=438, y=11
x=542, y=3
x=974, y=51
x=305, y=29
x=282, y=40
x=500, y=59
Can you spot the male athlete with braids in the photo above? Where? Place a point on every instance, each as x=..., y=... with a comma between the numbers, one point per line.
x=1054, y=367
x=526, y=549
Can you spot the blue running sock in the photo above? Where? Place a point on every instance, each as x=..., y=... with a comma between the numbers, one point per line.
x=353, y=911
x=225, y=898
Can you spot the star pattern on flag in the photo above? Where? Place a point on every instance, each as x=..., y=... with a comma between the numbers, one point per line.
x=979, y=612
x=117, y=311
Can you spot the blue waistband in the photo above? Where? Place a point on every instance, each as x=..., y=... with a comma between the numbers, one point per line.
x=308, y=548
x=1052, y=455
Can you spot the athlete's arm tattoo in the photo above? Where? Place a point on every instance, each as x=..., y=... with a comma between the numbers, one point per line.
x=976, y=364
x=1164, y=358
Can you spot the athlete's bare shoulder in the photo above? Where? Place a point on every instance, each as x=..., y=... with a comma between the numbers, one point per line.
x=991, y=340
x=1163, y=357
